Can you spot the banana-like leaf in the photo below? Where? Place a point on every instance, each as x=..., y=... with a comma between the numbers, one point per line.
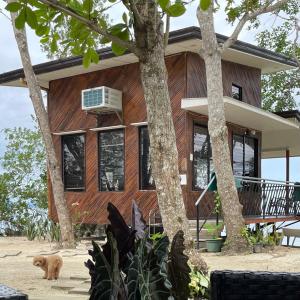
x=133, y=279
x=152, y=270
x=178, y=268
x=106, y=280
x=122, y=233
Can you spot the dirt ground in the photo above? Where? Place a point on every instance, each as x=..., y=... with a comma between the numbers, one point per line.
x=18, y=271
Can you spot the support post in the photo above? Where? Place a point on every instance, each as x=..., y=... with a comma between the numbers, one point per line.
x=287, y=179
x=198, y=228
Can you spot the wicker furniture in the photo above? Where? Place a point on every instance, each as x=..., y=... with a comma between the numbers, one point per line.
x=7, y=293
x=246, y=285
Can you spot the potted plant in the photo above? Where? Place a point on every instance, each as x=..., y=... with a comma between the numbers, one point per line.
x=257, y=241
x=215, y=243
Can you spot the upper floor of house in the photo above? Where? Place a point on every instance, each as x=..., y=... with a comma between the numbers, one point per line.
x=242, y=67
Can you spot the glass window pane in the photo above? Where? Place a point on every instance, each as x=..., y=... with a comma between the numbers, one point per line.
x=236, y=92
x=73, y=162
x=111, y=152
x=250, y=154
x=146, y=178
x=238, y=155
x=202, y=163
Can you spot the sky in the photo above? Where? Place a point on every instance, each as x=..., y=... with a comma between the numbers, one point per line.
x=15, y=104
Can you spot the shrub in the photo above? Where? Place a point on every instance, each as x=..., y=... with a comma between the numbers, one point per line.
x=133, y=266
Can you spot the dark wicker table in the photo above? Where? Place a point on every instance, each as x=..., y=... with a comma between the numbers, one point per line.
x=8, y=293
x=246, y=285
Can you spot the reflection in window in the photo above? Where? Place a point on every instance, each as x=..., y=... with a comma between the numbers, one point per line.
x=236, y=92
x=244, y=156
x=146, y=179
x=238, y=155
x=111, y=158
x=202, y=162
x=73, y=162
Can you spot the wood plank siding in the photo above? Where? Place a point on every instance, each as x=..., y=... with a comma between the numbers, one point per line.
x=186, y=79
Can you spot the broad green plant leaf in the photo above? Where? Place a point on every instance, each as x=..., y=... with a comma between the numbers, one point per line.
x=13, y=6
x=204, y=4
x=31, y=19
x=105, y=282
x=152, y=270
x=176, y=10
x=21, y=19
x=117, y=49
x=163, y=4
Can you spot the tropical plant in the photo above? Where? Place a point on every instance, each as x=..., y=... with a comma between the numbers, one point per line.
x=199, y=285
x=214, y=230
x=133, y=266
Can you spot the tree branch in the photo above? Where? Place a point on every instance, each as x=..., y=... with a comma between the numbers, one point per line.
x=297, y=28
x=136, y=13
x=267, y=8
x=166, y=37
x=90, y=24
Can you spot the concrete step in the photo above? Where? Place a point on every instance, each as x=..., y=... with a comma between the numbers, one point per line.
x=81, y=289
x=64, y=286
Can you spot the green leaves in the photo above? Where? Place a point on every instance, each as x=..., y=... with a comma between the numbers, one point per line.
x=204, y=4
x=30, y=17
x=176, y=10
x=21, y=19
x=13, y=6
x=173, y=10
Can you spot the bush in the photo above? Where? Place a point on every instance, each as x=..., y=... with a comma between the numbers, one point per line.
x=133, y=266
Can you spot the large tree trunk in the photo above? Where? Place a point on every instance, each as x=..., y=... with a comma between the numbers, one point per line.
x=163, y=148
x=231, y=207
x=66, y=227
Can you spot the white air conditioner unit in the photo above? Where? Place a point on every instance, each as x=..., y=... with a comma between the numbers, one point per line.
x=101, y=99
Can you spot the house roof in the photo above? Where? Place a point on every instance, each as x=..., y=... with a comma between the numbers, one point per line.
x=278, y=132
x=183, y=40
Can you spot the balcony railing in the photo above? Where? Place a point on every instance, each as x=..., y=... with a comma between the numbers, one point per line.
x=261, y=199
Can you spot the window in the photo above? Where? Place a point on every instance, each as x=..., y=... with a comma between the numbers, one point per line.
x=236, y=92
x=244, y=156
x=111, y=160
x=146, y=179
x=202, y=158
x=73, y=152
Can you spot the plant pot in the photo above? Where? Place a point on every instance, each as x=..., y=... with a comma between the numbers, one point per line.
x=214, y=245
x=257, y=248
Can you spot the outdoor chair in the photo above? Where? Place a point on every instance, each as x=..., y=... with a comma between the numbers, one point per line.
x=246, y=285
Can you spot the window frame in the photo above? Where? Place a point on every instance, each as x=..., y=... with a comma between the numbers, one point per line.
x=77, y=190
x=255, y=139
x=150, y=187
x=240, y=91
x=194, y=188
x=99, y=160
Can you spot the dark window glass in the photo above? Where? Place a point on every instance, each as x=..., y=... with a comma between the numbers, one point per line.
x=111, y=158
x=202, y=158
x=236, y=92
x=244, y=156
x=146, y=179
x=73, y=162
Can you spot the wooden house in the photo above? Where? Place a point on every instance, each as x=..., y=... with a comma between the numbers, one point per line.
x=104, y=153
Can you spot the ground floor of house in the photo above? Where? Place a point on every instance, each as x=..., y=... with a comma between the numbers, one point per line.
x=111, y=163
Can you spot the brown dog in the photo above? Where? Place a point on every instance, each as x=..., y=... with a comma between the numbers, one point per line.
x=50, y=264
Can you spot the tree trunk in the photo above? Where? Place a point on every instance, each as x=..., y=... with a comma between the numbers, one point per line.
x=66, y=227
x=163, y=149
x=231, y=207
